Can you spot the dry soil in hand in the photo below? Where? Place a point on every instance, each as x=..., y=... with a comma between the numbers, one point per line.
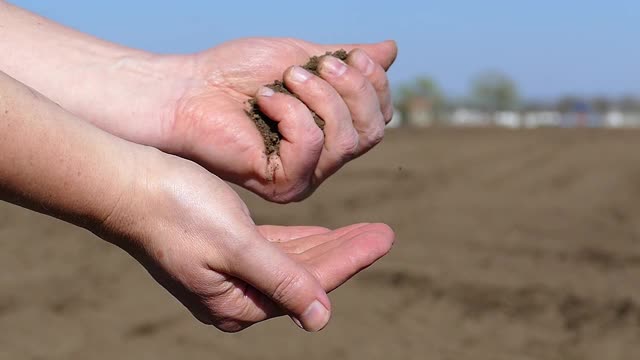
x=269, y=128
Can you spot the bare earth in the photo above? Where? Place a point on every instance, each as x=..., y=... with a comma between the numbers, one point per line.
x=510, y=245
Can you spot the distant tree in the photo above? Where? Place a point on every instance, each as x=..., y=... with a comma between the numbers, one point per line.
x=533, y=105
x=601, y=104
x=567, y=103
x=629, y=104
x=425, y=88
x=494, y=91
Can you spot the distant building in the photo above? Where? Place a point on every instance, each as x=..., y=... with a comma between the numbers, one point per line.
x=614, y=119
x=582, y=115
x=509, y=119
x=619, y=119
x=469, y=117
x=632, y=119
x=536, y=119
x=419, y=112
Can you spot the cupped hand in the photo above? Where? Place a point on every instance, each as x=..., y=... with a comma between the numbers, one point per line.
x=210, y=126
x=196, y=238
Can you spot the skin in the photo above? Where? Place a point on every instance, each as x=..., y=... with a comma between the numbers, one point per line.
x=184, y=225
x=355, y=113
x=194, y=105
x=93, y=161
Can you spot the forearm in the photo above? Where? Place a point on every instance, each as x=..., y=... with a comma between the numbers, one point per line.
x=57, y=164
x=113, y=87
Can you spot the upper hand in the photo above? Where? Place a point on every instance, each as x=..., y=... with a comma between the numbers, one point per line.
x=196, y=238
x=211, y=127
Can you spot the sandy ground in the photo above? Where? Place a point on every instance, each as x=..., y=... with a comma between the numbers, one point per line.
x=510, y=245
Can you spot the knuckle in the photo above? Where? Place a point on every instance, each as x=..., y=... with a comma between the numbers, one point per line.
x=388, y=114
x=336, y=112
x=375, y=135
x=315, y=136
x=292, y=109
x=295, y=192
x=349, y=145
x=229, y=326
x=361, y=85
x=286, y=196
x=381, y=83
x=334, y=104
x=227, y=316
x=286, y=289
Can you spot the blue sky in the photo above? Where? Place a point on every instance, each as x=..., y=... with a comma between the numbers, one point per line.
x=550, y=48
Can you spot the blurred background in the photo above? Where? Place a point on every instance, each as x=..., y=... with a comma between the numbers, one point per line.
x=511, y=174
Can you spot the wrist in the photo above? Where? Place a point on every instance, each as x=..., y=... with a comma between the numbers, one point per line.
x=119, y=216
x=134, y=96
x=155, y=84
x=127, y=92
x=142, y=202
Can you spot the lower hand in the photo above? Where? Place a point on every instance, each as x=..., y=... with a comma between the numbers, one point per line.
x=196, y=238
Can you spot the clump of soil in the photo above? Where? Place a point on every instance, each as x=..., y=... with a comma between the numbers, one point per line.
x=269, y=128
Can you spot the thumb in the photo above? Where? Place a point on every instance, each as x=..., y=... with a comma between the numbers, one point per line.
x=288, y=284
x=384, y=53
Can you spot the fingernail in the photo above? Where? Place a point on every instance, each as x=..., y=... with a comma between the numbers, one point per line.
x=363, y=62
x=314, y=318
x=265, y=91
x=333, y=66
x=295, y=320
x=299, y=74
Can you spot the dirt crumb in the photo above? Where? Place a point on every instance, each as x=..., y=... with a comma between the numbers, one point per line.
x=269, y=128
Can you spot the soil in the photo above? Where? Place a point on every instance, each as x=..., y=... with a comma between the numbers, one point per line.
x=514, y=245
x=269, y=128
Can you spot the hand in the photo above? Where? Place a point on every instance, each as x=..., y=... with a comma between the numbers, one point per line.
x=196, y=238
x=210, y=125
x=194, y=105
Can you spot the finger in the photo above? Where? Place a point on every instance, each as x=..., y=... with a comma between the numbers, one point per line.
x=361, y=98
x=341, y=138
x=376, y=75
x=384, y=53
x=356, y=231
x=301, y=245
x=325, y=256
x=287, y=233
x=295, y=240
x=335, y=262
x=302, y=140
x=262, y=265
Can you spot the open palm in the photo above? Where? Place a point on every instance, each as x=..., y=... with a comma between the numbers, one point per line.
x=331, y=256
x=196, y=237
